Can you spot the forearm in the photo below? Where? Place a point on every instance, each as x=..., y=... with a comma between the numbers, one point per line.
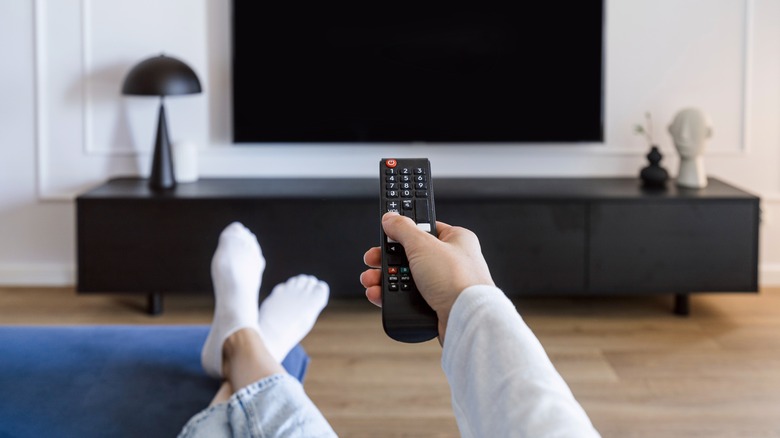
x=503, y=383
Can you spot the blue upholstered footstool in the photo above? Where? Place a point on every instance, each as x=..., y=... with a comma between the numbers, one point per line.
x=106, y=381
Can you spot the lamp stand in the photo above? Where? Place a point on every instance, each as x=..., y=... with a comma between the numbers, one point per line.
x=162, y=177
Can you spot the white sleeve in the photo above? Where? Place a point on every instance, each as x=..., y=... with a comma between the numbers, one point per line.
x=503, y=384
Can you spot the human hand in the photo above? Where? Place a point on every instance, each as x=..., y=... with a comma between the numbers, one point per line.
x=442, y=268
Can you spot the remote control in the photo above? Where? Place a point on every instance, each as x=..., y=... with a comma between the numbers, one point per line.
x=406, y=188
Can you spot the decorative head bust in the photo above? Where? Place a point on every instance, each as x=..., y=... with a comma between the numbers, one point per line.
x=690, y=131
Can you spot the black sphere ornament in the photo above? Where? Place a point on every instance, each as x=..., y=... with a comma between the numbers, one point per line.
x=654, y=176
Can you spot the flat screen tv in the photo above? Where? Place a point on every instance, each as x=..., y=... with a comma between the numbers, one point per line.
x=418, y=71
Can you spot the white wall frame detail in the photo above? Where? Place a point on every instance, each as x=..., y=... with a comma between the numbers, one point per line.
x=62, y=172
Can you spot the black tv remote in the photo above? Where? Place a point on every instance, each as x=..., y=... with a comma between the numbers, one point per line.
x=406, y=187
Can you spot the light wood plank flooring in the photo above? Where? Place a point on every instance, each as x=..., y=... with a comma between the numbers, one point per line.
x=638, y=370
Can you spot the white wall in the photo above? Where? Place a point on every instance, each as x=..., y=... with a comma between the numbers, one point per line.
x=64, y=127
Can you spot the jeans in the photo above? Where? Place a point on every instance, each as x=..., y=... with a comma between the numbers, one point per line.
x=275, y=406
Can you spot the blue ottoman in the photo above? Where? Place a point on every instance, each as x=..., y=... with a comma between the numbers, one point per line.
x=100, y=381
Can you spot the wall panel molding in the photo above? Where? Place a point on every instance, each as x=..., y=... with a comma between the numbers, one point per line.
x=69, y=156
x=87, y=41
x=97, y=160
x=747, y=74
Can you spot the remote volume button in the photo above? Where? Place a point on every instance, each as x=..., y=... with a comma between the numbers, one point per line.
x=421, y=209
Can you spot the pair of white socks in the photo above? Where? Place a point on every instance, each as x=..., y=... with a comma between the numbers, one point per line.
x=286, y=315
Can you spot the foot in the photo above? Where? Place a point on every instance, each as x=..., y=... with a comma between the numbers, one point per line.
x=236, y=270
x=289, y=313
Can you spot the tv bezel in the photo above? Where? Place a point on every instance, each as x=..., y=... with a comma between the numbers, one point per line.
x=599, y=138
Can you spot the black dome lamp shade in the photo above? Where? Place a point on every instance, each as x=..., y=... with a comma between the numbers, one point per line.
x=161, y=76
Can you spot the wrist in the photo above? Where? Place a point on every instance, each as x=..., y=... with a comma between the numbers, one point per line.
x=442, y=330
x=443, y=311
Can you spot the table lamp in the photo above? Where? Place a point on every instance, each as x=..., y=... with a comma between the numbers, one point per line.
x=161, y=76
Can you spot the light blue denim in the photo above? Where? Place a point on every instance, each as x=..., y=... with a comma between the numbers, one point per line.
x=275, y=406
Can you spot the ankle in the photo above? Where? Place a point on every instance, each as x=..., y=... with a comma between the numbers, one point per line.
x=238, y=340
x=232, y=346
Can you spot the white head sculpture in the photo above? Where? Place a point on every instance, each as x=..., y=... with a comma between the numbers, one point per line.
x=690, y=130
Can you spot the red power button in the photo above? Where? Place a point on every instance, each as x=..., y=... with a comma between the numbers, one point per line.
x=391, y=163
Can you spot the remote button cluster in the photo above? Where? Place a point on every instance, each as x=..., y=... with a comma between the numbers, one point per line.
x=406, y=191
x=399, y=278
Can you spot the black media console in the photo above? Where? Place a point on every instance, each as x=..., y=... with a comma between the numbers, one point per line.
x=552, y=237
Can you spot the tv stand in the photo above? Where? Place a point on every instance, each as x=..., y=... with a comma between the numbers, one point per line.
x=540, y=236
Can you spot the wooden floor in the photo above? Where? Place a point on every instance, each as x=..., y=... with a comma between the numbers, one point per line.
x=638, y=370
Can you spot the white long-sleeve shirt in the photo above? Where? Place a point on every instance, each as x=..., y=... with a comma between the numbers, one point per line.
x=503, y=384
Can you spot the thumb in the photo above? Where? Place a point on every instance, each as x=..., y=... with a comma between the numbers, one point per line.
x=403, y=230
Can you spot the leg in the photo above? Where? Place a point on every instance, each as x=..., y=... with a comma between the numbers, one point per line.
x=290, y=311
x=260, y=396
x=154, y=304
x=247, y=360
x=223, y=394
x=268, y=401
x=236, y=270
x=682, y=304
x=285, y=317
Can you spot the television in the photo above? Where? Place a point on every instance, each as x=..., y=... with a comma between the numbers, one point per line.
x=424, y=71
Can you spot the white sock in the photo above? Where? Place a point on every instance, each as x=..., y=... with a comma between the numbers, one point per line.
x=290, y=311
x=236, y=269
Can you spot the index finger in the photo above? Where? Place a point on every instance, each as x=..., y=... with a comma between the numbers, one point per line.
x=373, y=257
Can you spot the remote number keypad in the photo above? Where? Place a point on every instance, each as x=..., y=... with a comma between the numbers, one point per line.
x=410, y=189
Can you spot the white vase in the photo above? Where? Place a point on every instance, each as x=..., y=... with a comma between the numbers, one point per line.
x=185, y=161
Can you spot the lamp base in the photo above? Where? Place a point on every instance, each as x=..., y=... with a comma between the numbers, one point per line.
x=162, y=176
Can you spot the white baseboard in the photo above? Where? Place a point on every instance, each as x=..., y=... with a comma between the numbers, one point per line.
x=39, y=274
x=769, y=274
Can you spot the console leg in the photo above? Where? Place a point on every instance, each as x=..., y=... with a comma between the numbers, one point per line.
x=155, y=304
x=682, y=304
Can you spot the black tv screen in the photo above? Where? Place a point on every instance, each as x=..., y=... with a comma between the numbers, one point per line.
x=402, y=71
